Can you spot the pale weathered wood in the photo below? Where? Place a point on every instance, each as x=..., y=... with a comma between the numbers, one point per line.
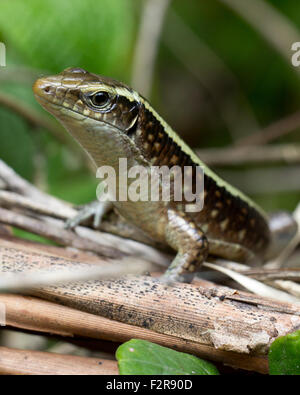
x=220, y=318
x=25, y=362
x=46, y=224
x=16, y=280
x=37, y=315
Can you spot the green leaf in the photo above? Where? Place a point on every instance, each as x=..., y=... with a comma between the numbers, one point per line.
x=140, y=357
x=54, y=34
x=17, y=147
x=284, y=355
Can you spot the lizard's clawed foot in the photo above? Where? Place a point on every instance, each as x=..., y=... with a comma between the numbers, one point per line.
x=94, y=210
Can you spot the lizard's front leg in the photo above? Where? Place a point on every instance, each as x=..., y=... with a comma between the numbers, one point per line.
x=189, y=241
x=95, y=210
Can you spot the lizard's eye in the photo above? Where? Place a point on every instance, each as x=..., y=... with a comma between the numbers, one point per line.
x=100, y=99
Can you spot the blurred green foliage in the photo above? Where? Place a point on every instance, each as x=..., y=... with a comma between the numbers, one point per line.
x=55, y=34
x=100, y=35
x=50, y=36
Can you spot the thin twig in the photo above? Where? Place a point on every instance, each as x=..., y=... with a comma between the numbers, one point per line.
x=14, y=200
x=276, y=29
x=55, y=232
x=46, y=224
x=264, y=180
x=85, y=239
x=275, y=130
x=253, y=285
x=16, y=183
x=200, y=60
x=288, y=286
x=290, y=248
x=231, y=156
x=264, y=274
x=152, y=19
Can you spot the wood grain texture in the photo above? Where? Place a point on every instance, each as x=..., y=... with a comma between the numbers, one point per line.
x=37, y=315
x=24, y=362
x=215, y=322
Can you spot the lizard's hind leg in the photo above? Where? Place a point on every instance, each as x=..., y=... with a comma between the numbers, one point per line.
x=190, y=243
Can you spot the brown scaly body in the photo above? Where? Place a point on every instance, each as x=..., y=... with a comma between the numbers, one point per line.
x=112, y=121
x=224, y=216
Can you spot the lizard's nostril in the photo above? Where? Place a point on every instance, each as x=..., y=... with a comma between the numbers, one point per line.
x=42, y=87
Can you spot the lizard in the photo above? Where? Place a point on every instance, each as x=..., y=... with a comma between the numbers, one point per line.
x=110, y=121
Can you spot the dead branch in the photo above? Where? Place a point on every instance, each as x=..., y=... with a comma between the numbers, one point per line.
x=275, y=130
x=264, y=274
x=33, y=314
x=54, y=233
x=15, y=183
x=25, y=362
x=152, y=19
x=215, y=317
x=203, y=318
x=252, y=154
x=103, y=244
x=39, y=202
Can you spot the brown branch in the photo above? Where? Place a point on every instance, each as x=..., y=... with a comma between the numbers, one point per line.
x=14, y=182
x=209, y=320
x=33, y=314
x=55, y=233
x=264, y=180
x=264, y=274
x=275, y=130
x=153, y=14
x=28, y=197
x=250, y=154
x=213, y=317
x=25, y=362
x=103, y=244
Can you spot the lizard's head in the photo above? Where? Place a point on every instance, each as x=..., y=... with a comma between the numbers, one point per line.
x=93, y=96
x=88, y=105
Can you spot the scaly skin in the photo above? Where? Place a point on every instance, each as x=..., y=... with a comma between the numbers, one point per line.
x=124, y=125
